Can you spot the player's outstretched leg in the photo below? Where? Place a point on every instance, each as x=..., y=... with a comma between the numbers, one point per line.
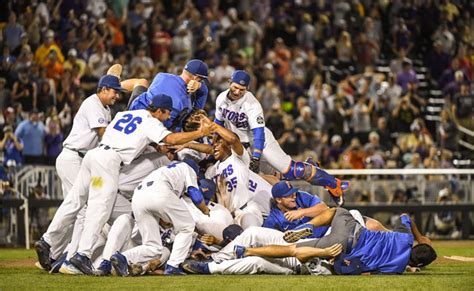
x=318, y=177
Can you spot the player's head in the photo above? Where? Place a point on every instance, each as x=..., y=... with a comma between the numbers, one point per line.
x=197, y=68
x=221, y=148
x=422, y=255
x=230, y=233
x=208, y=189
x=109, y=89
x=284, y=194
x=239, y=83
x=160, y=106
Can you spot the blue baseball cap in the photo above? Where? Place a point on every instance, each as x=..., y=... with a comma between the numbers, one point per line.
x=208, y=189
x=197, y=67
x=283, y=189
x=110, y=81
x=230, y=233
x=161, y=101
x=241, y=77
x=192, y=164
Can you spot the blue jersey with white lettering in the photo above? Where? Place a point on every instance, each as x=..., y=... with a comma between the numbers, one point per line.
x=378, y=251
x=175, y=87
x=277, y=220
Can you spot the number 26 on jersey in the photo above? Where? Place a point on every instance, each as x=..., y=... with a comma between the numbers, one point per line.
x=128, y=123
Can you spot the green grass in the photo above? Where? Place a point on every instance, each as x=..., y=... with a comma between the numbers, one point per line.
x=18, y=273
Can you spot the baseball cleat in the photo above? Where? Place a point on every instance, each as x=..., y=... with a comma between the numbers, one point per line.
x=119, y=264
x=310, y=161
x=239, y=252
x=42, y=251
x=173, y=271
x=115, y=70
x=38, y=265
x=68, y=269
x=57, y=264
x=83, y=263
x=104, y=268
x=337, y=193
x=196, y=267
x=303, y=231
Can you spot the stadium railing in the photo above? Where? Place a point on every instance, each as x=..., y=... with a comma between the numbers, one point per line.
x=370, y=192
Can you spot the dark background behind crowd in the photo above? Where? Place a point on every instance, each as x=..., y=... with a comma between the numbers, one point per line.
x=357, y=84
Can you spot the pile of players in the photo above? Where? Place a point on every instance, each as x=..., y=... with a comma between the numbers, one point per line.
x=161, y=188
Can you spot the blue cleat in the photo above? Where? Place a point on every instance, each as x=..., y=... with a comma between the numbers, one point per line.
x=239, y=252
x=69, y=269
x=43, y=251
x=299, y=232
x=196, y=267
x=337, y=193
x=83, y=263
x=58, y=263
x=119, y=263
x=173, y=271
x=104, y=269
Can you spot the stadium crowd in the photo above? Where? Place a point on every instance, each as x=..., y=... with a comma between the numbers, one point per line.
x=315, y=67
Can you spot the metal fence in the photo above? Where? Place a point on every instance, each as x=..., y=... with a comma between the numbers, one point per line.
x=371, y=191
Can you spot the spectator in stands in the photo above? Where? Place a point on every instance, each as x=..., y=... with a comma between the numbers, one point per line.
x=53, y=141
x=73, y=60
x=12, y=148
x=308, y=125
x=24, y=91
x=448, y=132
x=292, y=137
x=437, y=61
x=462, y=106
x=354, y=156
x=453, y=87
x=335, y=150
x=45, y=97
x=160, y=43
x=274, y=120
x=361, y=118
x=464, y=63
x=142, y=65
x=366, y=51
x=344, y=50
x=404, y=115
x=406, y=76
x=12, y=32
x=43, y=52
x=223, y=72
x=446, y=223
x=54, y=69
x=384, y=134
x=100, y=61
x=32, y=132
x=446, y=37
x=5, y=97
x=268, y=94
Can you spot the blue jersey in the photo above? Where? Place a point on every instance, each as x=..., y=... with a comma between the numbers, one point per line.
x=276, y=219
x=377, y=251
x=175, y=87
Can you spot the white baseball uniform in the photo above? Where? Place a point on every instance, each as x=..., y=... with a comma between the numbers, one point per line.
x=218, y=219
x=92, y=114
x=237, y=197
x=225, y=262
x=97, y=182
x=245, y=114
x=158, y=197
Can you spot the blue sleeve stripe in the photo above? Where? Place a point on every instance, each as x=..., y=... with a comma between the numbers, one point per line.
x=258, y=141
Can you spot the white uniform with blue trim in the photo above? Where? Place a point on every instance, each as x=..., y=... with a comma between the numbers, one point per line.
x=237, y=197
x=245, y=114
x=125, y=138
x=83, y=137
x=158, y=197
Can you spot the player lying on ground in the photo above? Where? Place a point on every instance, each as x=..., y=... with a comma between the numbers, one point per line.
x=363, y=251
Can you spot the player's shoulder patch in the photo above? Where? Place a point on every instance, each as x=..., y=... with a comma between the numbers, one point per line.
x=101, y=120
x=260, y=120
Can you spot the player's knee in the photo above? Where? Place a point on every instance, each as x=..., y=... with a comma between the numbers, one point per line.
x=299, y=171
x=124, y=221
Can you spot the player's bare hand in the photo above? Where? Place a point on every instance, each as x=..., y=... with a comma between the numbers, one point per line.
x=332, y=251
x=199, y=255
x=193, y=86
x=207, y=126
x=293, y=215
x=208, y=239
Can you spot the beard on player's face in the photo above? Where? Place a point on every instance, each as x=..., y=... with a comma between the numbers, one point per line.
x=236, y=91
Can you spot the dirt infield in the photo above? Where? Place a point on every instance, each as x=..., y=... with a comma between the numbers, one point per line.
x=18, y=263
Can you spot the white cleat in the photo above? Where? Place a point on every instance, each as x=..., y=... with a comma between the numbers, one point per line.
x=69, y=269
x=38, y=265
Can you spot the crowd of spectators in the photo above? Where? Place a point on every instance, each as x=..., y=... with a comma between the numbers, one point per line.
x=314, y=68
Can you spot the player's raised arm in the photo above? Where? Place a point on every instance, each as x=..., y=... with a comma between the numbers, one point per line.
x=231, y=138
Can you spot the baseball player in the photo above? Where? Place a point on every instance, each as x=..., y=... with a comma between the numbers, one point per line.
x=158, y=197
x=188, y=91
x=363, y=251
x=125, y=138
x=226, y=262
x=239, y=110
x=88, y=128
x=233, y=172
